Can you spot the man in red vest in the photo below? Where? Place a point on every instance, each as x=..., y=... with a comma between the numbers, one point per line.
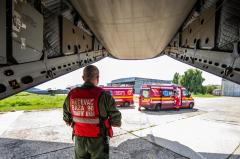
x=92, y=113
x=176, y=101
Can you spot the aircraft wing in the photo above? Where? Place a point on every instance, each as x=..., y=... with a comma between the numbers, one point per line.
x=44, y=39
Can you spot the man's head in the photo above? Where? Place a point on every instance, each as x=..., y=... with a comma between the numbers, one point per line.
x=91, y=74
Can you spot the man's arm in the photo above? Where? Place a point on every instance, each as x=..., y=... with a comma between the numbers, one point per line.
x=112, y=112
x=67, y=117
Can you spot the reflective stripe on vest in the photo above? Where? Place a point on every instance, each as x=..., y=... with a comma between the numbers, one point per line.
x=86, y=121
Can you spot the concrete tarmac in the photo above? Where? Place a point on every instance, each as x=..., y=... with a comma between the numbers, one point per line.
x=209, y=131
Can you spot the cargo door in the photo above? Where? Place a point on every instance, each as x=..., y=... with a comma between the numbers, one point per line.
x=119, y=96
x=155, y=96
x=129, y=96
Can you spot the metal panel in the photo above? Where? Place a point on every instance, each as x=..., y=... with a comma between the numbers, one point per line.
x=229, y=25
x=16, y=78
x=51, y=10
x=222, y=64
x=201, y=32
x=27, y=33
x=74, y=39
x=3, y=53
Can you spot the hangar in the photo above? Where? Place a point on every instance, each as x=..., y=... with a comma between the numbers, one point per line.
x=230, y=88
x=137, y=82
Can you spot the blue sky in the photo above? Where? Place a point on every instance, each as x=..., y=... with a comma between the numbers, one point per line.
x=162, y=67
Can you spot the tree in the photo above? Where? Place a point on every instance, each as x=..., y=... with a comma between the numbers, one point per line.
x=176, y=78
x=204, y=90
x=210, y=88
x=192, y=80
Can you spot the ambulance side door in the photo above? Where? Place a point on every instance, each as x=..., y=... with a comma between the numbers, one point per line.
x=185, y=98
x=167, y=98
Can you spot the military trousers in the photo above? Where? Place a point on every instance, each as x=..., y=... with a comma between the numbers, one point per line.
x=91, y=148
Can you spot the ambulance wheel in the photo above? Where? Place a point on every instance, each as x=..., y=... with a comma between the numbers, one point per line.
x=158, y=107
x=190, y=105
x=126, y=104
x=146, y=108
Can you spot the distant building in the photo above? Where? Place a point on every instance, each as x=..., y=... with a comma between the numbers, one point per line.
x=37, y=91
x=137, y=82
x=71, y=87
x=217, y=92
x=230, y=88
x=48, y=91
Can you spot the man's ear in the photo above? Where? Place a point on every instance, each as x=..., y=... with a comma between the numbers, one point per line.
x=97, y=79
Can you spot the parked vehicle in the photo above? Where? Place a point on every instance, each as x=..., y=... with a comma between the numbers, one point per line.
x=123, y=95
x=164, y=97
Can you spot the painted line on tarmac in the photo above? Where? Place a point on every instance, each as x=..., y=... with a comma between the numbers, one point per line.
x=154, y=125
x=131, y=132
x=235, y=123
x=186, y=117
x=235, y=153
x=7, y=119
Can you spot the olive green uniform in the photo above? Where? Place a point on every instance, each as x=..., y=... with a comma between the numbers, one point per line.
x=94, y=148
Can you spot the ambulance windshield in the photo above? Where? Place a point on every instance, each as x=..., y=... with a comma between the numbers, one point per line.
x=185, y=93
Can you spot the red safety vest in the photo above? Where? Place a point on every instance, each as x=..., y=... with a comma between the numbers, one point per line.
x=177, y=102
x=85, y=113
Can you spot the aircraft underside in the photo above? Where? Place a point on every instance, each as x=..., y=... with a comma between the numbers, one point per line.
x=44, y=39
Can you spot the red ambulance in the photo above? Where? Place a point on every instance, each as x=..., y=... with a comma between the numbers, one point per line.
x=164, y=97
x=123, y=95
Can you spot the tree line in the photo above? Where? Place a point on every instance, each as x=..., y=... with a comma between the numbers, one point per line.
x=192, y=80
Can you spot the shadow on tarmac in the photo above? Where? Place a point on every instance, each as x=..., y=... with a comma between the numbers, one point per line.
x=130, y=107
x=143, y=148
x=151, y=147
x=169, y=111
x=29, y=149
x=139, y=148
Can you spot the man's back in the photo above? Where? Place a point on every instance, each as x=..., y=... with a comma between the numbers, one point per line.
x=92, y=147
x=106, y=107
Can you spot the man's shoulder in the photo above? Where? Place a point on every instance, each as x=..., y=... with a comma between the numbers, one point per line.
x=106, y=96
x=74, y=89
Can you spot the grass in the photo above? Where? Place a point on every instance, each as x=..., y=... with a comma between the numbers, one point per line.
x=29, y=101
x=204, y=96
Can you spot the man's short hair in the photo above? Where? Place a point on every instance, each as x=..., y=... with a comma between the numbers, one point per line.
x=90, y=72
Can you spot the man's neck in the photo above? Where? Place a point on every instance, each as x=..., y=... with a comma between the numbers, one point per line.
x=91, y=83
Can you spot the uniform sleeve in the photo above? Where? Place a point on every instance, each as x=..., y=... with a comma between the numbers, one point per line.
x=67, y=117
x=112, y=112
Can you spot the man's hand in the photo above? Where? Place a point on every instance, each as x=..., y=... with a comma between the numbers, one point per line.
x=69, y=123
x=116, y=125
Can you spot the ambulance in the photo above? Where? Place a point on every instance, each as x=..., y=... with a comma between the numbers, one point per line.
x=123, y=95
x=158, y=97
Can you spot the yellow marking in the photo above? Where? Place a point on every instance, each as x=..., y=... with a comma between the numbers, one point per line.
x=146, y=100
x=187, y=98
x=156, y=98
x=167, y=98
x=163, y=98
x=117, y=97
